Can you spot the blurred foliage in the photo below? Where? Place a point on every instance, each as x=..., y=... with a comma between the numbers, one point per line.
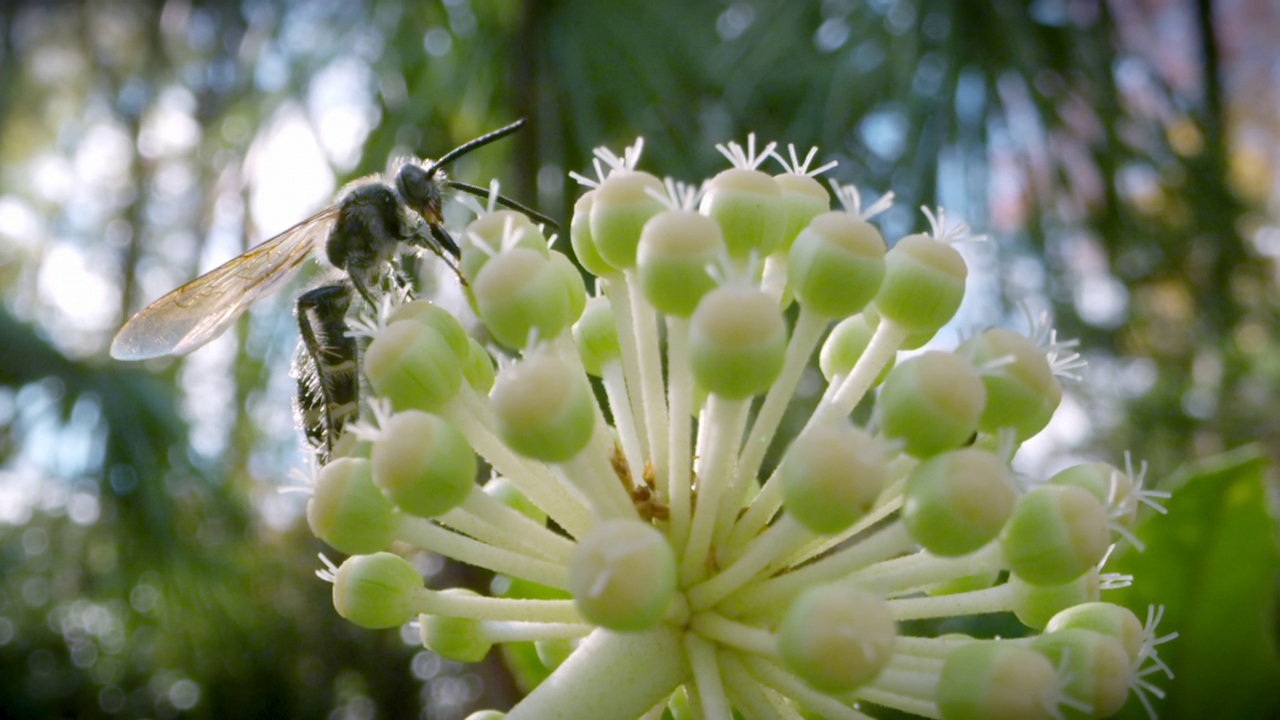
x=1211, y=562
x=1102, y=144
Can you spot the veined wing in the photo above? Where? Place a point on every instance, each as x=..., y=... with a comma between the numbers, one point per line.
x=204, y=308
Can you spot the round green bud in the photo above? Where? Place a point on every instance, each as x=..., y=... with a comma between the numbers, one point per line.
x=844, y=345
x=1055, y=534
x=737, y=341
x=552, y=653
x=596, y=335
x=803, y=198
x=931, y=402
x=1107, y=618
x=1111, y=486
x=347, y=511
x=1036, y=605
x=478, y=368
x=413, y=366
x=543, y=409
x=486, y=715
x=520, y=290
x=968, y=583
x=956, y=502
x=1097, y=668
x=376, y=591
x=1022, y=394
x=995, y=681
x=836, y=638
x=676, y=247
x=622, y=204
x=484, y=239
x=438, y=319
x=506, y=492
x=923, y=283
x=454, y=638
x=574, y=287
x=622, y=575
x=836, y=264
x=830, y=476
x=584, y=247
x=422, y=464
x=748, y=207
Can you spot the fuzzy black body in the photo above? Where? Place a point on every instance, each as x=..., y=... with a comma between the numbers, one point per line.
x=326, y=367
x=367, y=233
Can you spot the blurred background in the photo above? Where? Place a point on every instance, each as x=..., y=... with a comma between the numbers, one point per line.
x=1121, y=155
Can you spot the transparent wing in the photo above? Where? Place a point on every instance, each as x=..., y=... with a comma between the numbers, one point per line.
x=204, y=308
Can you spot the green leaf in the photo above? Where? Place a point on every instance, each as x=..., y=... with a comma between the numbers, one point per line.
x=1212, y=561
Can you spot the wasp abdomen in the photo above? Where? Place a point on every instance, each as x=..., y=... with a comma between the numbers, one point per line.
x=326, y=367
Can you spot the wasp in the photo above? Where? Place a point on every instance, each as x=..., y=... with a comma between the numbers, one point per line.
x=362, y=235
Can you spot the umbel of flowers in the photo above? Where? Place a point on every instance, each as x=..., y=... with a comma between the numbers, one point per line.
x=690, y=582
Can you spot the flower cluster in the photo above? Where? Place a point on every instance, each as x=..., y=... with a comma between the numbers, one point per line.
x=689, y=582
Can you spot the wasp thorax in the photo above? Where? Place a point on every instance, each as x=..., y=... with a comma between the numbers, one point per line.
x=422, y=190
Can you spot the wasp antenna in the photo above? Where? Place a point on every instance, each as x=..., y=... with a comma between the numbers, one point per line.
x=470, y=145
x=504, y=201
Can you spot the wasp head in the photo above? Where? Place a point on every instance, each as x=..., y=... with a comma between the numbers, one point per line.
x=422, y=189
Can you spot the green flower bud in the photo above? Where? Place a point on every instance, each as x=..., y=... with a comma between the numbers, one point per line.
x=411, y=365
x=622, y=575
x=551, y=653
x=1110, y=485
x=543, y=409
x=584, y=247
x=596, y=335
x=376, y=591
x=845, y=344
x=676, y=247
x=1055, y=534
x=1107, y=618
x=1022, y=394
x=486, y=715
x=968, y=583
x=803, y=198
x=956, y=502
x=574, y=288
x=748, y=207
x=478, y=367
x=1097, y=666
x=830, y=477
x=737, y=341
x=348, y=511
x=619, y=210
x=995, y=681
x=505, y=492
x=453, y=638
x=438, y=319
x=836, y=638
x=422, y=464
x=931, y=402
x=484, y=238
x=923, y=283
x=836, y=264
x=519, y=290
x=1036, y=605
x=1096, y=477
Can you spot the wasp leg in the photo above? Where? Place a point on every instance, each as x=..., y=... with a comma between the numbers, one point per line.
x=325, y=367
